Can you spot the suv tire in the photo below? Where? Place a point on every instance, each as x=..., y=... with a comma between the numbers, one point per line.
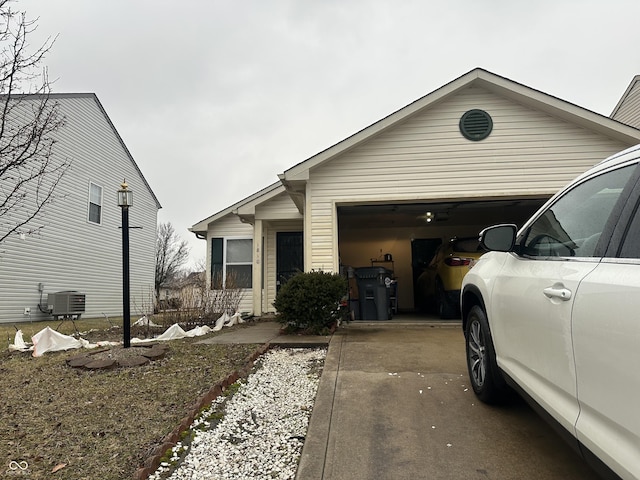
x=485, y=375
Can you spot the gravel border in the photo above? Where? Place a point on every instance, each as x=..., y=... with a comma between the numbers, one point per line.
x=259, y=431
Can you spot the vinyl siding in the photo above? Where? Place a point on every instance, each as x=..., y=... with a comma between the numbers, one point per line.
x=281, y=207
x=231, y=226
x=426, y=157
x=629, y=111
x=70, y=253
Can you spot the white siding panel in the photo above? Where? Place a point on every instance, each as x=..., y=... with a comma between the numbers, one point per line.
x=426, y=157
x=230, y=226
x=279, y=207
x=70, y=253
x=270, y=270
x=246, y=302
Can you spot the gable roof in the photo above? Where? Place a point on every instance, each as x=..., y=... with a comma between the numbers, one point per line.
x=299, y=174
x=249, y=202
x=115, y=132
x=94, y=97
x=294, y=178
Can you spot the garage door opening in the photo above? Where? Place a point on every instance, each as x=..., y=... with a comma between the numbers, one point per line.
x=403, y=237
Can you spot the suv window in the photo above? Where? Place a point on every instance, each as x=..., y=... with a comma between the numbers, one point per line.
x=573, y=224
x=467, y=245
x=631, y=244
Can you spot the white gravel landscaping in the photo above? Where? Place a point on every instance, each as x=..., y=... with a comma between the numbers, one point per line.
x=259, y=432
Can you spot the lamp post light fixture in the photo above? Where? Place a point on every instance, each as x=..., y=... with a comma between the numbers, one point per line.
x=125, y=200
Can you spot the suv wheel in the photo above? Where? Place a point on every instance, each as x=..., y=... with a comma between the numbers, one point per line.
x=486, y=378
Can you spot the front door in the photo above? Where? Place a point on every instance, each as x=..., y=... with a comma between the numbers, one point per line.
x=289, y=256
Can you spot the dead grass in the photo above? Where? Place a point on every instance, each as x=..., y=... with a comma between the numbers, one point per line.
x=100, y=424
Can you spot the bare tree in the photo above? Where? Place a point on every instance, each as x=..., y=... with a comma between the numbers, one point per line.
x=171, y=254
x=29, y=172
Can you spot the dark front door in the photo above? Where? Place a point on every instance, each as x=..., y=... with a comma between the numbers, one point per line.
x=289, y=256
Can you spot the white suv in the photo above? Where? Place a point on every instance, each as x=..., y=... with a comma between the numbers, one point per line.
x=553, y=310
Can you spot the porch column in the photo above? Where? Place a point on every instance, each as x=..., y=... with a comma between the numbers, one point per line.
x=258, y=256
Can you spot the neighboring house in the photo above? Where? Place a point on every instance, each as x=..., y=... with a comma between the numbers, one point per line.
x=80, y=247
x=480, y=150
x=628, y=108
x=186, y=291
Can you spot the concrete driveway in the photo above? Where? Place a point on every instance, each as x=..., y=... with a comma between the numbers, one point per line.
x=394, y=402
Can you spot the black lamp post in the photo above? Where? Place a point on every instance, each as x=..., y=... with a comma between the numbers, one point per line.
x=125, y=200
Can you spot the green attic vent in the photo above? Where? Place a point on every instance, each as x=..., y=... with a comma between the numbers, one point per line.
x=476, y=125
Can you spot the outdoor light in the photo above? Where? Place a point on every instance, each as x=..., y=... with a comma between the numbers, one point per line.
x=125, y=200
x=125, y=197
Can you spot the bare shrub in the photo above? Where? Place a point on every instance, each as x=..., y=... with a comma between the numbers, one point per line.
x=194, y=302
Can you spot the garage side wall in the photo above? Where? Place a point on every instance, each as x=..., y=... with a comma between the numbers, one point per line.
x=427, y=158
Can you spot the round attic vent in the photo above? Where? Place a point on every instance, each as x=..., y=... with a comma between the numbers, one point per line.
x=476, y=125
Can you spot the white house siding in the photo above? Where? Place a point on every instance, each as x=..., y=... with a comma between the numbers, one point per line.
x=629, y=111
x=70, y=253
x=279, y=207
x=231, y=226
x=426, y=157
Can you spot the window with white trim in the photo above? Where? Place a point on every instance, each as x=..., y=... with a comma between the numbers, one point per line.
x=95, y=203
x=231, y=262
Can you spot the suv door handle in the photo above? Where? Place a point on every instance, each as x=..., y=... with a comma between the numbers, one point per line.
x=557, y=292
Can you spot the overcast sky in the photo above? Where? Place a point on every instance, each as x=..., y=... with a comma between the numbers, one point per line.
x=215, y=98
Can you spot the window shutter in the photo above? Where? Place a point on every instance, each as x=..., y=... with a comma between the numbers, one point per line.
x=217, y=246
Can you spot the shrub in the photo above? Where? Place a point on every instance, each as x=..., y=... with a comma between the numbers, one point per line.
x=311, y=302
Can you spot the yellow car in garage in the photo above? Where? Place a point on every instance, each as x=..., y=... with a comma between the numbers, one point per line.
x=440, y=282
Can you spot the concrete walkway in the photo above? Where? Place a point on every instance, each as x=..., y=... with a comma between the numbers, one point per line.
x=394, y=402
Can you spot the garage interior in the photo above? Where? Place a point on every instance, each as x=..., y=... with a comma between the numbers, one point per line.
x=403, y=237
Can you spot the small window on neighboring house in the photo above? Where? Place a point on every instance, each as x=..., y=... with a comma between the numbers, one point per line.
x=95, y=203
x=231, y=263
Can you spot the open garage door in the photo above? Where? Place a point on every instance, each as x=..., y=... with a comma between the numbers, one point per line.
x=403, y=237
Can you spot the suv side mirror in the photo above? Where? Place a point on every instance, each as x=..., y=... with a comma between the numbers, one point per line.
x=499, y=238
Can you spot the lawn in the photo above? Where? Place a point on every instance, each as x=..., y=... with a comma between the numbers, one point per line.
x=99, y=424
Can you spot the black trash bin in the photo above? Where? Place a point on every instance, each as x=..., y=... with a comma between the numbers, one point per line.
x=374, y=292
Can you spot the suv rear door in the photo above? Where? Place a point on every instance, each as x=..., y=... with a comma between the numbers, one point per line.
x=606, y=338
